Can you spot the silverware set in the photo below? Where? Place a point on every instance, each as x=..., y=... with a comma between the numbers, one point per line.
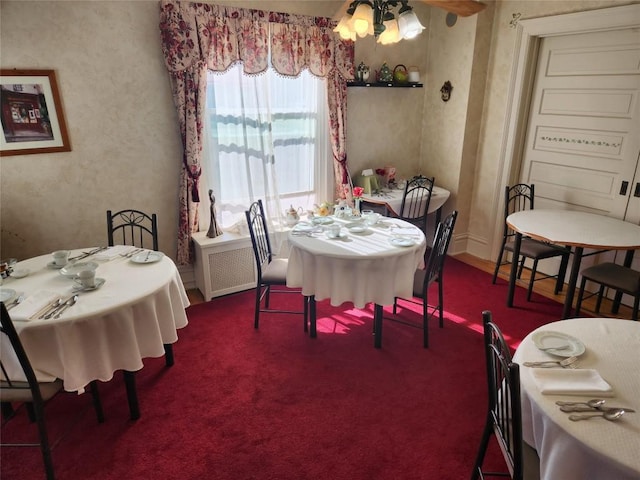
x=595, y=408
x=55, y=308
x=132, y=252
x=569, y=362
x=87, y=254
x=14, y=302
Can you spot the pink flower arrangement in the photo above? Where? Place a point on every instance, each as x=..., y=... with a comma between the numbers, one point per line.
x=357, y=192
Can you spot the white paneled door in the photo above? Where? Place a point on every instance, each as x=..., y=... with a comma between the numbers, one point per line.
x=582, y=148
x=583, y=140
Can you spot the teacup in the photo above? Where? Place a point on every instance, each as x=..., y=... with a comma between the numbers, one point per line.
x=61, y=257
x=372, y=218
x=333, y=231
x=86, y=278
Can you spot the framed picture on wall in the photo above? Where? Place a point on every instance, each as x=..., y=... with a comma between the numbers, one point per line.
x=31, y=113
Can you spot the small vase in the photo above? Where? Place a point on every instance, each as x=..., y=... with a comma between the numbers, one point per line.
x=356, y=208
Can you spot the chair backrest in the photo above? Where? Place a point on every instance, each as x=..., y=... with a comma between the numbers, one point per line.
x=416, y=199
x=132, y=227
x=259, y=232
x=11, y=345
x=503, y=377
x=517, y=198
x=438, y=251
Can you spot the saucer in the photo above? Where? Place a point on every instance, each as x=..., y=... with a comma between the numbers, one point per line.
x=54, y=266
x=303, y=227
x=322, y=220
x=402, y=242
x=149, y=256
x=357, y=227
x=72, y=269
x=20, y=272
x=338, y=237
x=80, y=288
x=6, y=294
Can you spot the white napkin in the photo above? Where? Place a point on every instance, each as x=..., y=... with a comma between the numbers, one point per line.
x=406, y=231
x=555, y=381
x=113, y=252
x=33, y=304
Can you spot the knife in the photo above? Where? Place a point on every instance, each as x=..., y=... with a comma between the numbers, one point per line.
x=569, y=408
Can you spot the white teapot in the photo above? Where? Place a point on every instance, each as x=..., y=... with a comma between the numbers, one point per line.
x=292, y=216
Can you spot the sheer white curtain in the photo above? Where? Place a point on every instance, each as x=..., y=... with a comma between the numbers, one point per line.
x=266, y=136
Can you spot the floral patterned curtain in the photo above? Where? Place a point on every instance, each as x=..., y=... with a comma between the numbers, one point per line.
x=199, y=36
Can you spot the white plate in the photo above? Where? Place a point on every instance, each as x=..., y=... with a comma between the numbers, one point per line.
x=402, y=242
x=340, y=235
x=147, y=257
x=20, y=272
x=98, y=284
x=54, y=266
x=72, y=269
x=322, y=220
x=545, y=339
x=6, y=294
x=303, y=227
x=356, y=227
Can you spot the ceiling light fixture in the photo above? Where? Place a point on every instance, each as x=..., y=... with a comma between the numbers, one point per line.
x=376, y=17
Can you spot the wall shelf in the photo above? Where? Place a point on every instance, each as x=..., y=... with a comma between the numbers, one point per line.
x=384, y=84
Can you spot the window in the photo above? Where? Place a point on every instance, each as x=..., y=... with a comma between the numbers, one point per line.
x=266, y=137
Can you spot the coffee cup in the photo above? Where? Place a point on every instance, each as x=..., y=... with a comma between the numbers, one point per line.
x=333, y=231
x=86, y=278
x=372, y=218
x=61, y=257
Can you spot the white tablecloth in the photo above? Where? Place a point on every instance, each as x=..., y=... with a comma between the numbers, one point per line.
x=360, y=268
x=393, y=199
x=595, y=448
x=137, y=310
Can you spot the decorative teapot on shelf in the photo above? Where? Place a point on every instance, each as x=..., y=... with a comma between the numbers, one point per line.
x=292, y=216
x=400, y=74
x=362, y=73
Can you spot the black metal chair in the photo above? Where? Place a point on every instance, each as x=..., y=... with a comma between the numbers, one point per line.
x=271, y=271
x=517, y=198
x=617, y=277
x=433, y=272
x=132, y=227
x=504, y=413
x=32, y=394
x=138, y=229
x=415, y=201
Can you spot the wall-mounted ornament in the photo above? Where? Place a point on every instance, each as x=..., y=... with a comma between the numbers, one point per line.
x=451, y=19
x=445, y=91
x=514, y=20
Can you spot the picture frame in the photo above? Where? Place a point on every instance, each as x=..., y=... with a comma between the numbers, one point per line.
x=31, y=113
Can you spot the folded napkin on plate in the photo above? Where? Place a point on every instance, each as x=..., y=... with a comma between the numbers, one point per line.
x=33, y=304
x=555, y=381
x=113, y=252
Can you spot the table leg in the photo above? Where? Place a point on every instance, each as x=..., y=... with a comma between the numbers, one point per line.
x=132, y=394
x=312, y=315
x=377, y=326
x=628, y=259
x=573, y=280
x=514, y=269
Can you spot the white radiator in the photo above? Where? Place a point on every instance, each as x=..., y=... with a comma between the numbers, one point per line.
x=224, y=264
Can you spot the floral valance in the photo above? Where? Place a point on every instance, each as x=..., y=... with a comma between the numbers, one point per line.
x=221, y=36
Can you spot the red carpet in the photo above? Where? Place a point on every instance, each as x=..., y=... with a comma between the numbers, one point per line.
x=275, y=404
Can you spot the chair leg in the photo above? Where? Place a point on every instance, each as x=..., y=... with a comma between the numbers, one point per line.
x=45, y=448
x=97, y=403
x=534, y=269
x=132, y=394
x=306, y=313
x=440, y=301
x=636, y=304
x=168, y=355
x=599, y=301
x=498, y=264
x=425, y=319
x=7, y=410
x=521, y=268
x=256, y=319
x=580, y=295
x=484, y=443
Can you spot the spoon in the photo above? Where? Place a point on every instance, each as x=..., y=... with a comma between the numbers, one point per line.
x=51, y=308
x=611, y=415
x=67, y=304
x=550, y=363
x=561, y=347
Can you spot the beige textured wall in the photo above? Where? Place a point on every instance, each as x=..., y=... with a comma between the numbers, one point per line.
x=124, y=134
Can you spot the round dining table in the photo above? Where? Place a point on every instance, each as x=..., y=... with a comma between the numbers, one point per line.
x=392, y=200
x=136, y=309
x=594, y=448
x=574, y=229
x=371, y=266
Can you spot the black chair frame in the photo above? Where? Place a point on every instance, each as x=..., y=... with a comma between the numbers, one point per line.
x=267, y=277
x=30, y=394
x=132, y=227
x=433, y=272
x=517, y=198
x=415, y=201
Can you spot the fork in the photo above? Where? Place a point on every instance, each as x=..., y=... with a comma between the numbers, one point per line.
x=567, y=362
